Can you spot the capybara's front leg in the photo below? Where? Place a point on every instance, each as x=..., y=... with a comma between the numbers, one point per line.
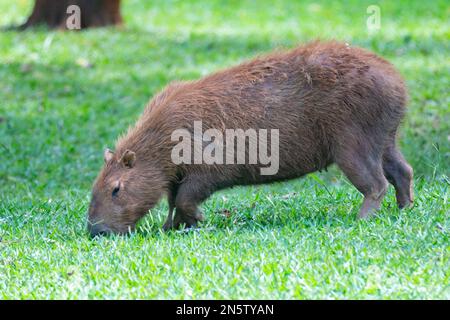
x=171, y=201
x=190, y=194
x=169, y=221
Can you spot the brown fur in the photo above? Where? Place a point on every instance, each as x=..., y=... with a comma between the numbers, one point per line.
x=331, y=102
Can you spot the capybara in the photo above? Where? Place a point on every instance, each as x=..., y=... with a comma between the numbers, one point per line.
x=329, y=102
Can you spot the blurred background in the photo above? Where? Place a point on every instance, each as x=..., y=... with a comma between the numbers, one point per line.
x=65, y=95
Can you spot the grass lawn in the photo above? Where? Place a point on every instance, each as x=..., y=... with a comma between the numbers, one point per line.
x=65, y=96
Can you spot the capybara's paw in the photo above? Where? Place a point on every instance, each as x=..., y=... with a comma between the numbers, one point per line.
x=187, y=221
x=363, y=215
x=404, y=200
x=407, y=201
x=405, y=204
x=168, y=225
x=369, y=209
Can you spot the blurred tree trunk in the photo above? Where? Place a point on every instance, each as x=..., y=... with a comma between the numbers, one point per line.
x=60, y=14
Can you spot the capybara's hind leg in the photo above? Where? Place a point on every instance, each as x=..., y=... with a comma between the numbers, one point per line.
x=365, y=172
x=400, y=174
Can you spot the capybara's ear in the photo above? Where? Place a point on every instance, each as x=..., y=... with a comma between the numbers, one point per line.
x=108, y=155
x=128, y=158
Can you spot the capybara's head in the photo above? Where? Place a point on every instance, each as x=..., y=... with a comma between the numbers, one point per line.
x=123, y=192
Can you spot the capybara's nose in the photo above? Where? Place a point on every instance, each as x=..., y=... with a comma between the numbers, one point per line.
x=97, y=229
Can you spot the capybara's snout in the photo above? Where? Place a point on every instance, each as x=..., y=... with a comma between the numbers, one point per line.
x=97, y=229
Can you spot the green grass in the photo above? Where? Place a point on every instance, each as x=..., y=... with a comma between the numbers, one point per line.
x=294, y=240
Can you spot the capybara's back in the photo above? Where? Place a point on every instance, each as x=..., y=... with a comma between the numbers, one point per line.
x=326, y=102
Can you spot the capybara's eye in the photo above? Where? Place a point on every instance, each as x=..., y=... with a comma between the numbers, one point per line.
x=116, y=190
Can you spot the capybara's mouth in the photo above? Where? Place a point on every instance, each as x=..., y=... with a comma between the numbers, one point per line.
x=97, y=230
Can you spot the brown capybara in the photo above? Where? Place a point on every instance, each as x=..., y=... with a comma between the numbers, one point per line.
x=327, y=101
